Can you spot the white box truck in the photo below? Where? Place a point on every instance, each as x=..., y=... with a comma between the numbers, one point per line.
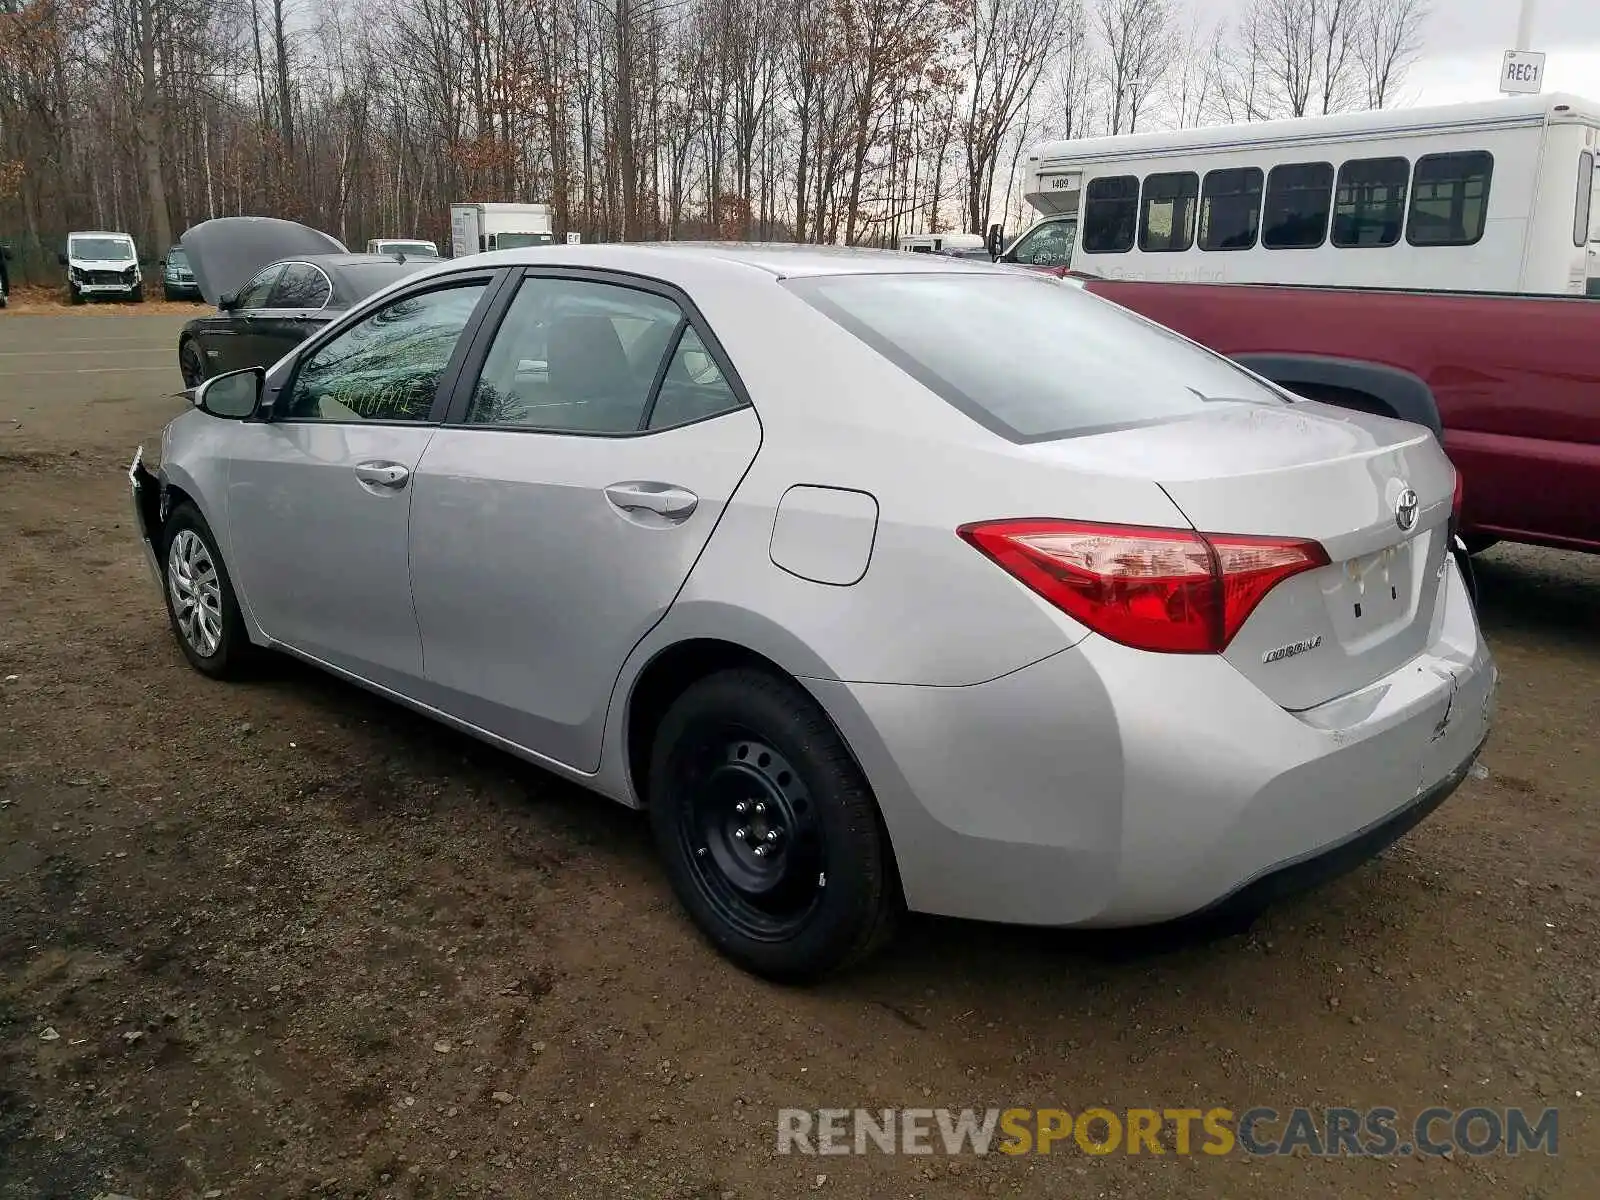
x=475, y=228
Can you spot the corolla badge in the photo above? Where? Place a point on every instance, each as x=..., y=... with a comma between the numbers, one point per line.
x=1292, y=649
x=1405, y=509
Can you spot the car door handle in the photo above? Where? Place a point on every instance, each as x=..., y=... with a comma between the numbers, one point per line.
x=383, y=474
x=660, y=498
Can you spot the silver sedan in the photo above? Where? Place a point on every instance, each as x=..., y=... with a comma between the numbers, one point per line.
x=881, y=581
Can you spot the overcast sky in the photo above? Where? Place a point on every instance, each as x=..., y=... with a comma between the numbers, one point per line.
x=1465, y=40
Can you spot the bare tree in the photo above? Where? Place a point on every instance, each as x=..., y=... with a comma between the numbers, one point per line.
x=1139, y=48
x=1305, y=51
x=1005, y=47
x=1388, y=41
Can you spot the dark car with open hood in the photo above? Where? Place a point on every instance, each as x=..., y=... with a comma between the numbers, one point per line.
x=274, y=283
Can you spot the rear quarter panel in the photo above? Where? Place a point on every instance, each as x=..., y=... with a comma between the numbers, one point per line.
x=1516, y=380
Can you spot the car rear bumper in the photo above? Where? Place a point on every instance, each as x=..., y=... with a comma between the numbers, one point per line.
x=1109, y=786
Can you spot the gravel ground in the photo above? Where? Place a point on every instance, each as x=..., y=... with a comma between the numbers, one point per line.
x=284, y=939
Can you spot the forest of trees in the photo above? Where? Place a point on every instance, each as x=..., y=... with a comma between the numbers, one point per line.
x=819, y=120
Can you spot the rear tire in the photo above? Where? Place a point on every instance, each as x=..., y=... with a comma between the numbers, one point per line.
x=799, y=883
x=201, y=605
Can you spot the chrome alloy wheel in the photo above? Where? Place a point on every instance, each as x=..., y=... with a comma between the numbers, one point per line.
x=196, y=592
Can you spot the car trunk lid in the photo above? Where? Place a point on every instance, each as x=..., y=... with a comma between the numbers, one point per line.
x=1374, y=492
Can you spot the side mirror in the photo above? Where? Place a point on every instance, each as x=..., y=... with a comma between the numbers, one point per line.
x=228, y=301
x=233, y=396
x=62, y=259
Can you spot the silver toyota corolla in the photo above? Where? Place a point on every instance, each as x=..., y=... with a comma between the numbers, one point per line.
x=882, y=581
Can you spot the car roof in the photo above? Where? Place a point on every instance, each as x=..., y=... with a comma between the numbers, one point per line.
x=117, y=233
x=781, y=260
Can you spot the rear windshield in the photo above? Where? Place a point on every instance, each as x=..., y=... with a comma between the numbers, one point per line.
x=362, y=279
x=1030, y=357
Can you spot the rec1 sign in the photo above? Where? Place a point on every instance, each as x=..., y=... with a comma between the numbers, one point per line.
x=1522, y=71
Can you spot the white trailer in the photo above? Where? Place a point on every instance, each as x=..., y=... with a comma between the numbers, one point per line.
x=475, y=228
x=1498, y=195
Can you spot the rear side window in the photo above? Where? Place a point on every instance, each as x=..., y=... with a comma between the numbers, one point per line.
x=1299, y=197
x=1449, y=199
x=1110, y=213
x=1230, y=209
x=1369, y=204
x=1586, y=189
x=1166, y=219
x=1031, y=358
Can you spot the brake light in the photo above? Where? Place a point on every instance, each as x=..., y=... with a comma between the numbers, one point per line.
x=1171, y=590
x=1455, y=507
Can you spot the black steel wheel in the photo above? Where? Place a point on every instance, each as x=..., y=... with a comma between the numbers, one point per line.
x=771, y=838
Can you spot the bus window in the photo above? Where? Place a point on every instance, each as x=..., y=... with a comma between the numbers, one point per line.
x=1230, y=209
x=1298, y=196
x=1167, y=220
x=1110, y=212
x=1047, y=245
x=1369, y=204
x=1587, y=185
x=1449, y=196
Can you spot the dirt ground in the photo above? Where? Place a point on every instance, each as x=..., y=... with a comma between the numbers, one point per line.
x=284, y=939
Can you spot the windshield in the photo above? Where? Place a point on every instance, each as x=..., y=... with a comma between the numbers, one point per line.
x=177, y=258
x=1047, y=245
x=1028, y=356
x=101, y=249
x=511, y=241
x=362, y=279
x=426, y=248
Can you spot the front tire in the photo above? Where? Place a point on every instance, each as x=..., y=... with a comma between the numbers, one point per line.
x=137, y=295
x=191, y=363
x=770, y=835
x=74, y=296
x=201, y=605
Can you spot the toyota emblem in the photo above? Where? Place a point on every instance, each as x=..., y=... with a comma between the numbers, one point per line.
x=1405, y=510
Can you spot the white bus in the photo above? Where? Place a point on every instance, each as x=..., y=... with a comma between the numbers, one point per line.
x=1497, y=196
x=942, y=243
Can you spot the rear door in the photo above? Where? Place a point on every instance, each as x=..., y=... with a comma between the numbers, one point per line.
x=585, y=463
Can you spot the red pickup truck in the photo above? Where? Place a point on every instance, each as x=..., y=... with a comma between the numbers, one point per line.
x=1511, y=383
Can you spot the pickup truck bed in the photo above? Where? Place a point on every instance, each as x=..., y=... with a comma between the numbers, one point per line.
x=1511, y=382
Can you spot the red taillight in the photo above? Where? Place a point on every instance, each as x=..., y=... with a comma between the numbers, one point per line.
x=1154, y=589
x=1454, y=526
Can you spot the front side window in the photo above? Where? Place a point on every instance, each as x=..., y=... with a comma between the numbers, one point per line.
x=1030, y=357
x=1299, y=198
x=576, y=356
x=254, y=294
x=387, y=367
x=1166, y=220
x=1369, y=204
x=1110, y=214
x=1588, y=184
x=514, y=241
x=1449, y=199
x=300, y=286
x=1230, y=209
x=1047, y=245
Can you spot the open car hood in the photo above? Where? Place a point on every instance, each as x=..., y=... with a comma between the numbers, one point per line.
x=226, y=251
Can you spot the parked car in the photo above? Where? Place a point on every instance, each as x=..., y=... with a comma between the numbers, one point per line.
x=102, y=264
x=5, y=275
x=274, y=283
x=792, y=547
x=1510, y=383
x=177, y=280
x=410, y=247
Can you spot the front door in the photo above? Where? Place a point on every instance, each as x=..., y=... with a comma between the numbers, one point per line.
x=228, y=338
x=558, y=513
x=319, y=497
x=290, y=314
